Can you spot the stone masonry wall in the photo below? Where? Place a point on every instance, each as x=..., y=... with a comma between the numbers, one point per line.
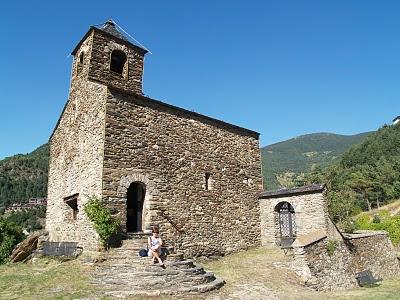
x=76, y=157
x=372, y=252
x=170, y=151
x=310, y=214
x=103, y=45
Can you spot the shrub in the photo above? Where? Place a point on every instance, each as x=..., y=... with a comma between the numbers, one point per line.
x=348, y=225
x=376, y=219
x=104, y=223
x=10, y=236
x=363, y=222
x=331, y=247
x=384, y=215
x=387, y=223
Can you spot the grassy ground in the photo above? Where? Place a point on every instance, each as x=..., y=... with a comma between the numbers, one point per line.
x=254, y=274
x=45, y=279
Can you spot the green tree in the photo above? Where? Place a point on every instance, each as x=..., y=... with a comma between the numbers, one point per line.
x=10, y=236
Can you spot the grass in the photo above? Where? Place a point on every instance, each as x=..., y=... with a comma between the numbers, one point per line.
x=45, y=279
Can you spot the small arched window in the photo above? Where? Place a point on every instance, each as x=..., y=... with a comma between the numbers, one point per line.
x=118, y=60
x=80, y=62
x=81, y=56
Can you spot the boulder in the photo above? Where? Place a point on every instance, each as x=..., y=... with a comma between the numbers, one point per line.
x=25, y=249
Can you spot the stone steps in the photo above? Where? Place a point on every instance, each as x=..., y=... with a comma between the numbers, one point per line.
x=216, y=284
x=121, y=283
x=125, y=274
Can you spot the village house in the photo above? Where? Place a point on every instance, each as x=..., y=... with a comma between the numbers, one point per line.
x=32, y=203
x=152, y=163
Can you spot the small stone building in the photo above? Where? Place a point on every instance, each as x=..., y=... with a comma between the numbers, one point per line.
x=290, y=213
x=196, y=177
x=297, y=220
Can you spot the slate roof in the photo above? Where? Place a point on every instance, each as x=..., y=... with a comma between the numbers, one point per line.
x=111, y=28
x=308, y=189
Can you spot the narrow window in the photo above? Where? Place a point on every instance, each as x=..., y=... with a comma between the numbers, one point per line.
x=81, y=56
x=72, y=202
x=118, y=60
x=80, y=62
x=207, y=178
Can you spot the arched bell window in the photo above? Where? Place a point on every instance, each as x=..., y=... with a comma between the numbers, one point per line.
x=118, y=60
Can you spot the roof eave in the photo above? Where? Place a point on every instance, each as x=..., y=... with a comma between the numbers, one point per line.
x=81, y=41
x=308, y=189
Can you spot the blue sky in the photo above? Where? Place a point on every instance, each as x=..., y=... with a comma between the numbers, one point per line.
x=282, y=68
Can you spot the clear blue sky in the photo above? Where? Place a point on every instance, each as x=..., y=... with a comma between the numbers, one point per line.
x=282, y=68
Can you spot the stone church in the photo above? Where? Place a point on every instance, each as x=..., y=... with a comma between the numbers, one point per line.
x=152, y=163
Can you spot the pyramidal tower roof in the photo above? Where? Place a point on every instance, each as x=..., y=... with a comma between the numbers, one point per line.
x=110, y=27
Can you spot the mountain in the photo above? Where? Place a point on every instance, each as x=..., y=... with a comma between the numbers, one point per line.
x=23, y=176
x=283, y=161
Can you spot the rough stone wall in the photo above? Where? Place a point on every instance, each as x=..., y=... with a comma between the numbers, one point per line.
x=131, y=79
x=338, y=271
x=170, y=151
x=377, y=254
x=310, y=214
x=76, y=157
x=327, y=272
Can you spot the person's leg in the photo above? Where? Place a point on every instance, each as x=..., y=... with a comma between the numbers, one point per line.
x=151, y=254
x=157, y=256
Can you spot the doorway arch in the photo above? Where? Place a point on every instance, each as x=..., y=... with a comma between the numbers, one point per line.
x=134, y=206
x=286, y=220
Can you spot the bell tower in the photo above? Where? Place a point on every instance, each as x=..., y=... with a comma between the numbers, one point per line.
x=109, y=56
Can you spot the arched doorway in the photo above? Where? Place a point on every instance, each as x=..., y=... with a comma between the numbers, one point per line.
x=134, y=207
x=287, y=224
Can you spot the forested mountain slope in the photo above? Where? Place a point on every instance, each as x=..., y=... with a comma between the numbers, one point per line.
x=23, y=176
x=284, y=161
x=364, y=177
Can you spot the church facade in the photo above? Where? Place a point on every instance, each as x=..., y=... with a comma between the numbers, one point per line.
x=152, y=163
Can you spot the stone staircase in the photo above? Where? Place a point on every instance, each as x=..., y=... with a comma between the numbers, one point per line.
x=125, y=274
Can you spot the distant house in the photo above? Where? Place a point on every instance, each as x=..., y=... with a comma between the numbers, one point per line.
x=396, y=120
x=32, y=203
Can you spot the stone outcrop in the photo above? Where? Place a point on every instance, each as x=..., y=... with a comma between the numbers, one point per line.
x=24, y=250
x=123, y=274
